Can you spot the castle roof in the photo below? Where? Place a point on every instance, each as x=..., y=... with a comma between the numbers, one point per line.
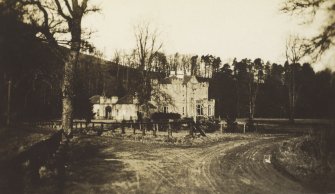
x=127, y=99
x=184, y=80
x=95, y=99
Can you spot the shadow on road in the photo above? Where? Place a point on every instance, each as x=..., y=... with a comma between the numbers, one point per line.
x=91, y=170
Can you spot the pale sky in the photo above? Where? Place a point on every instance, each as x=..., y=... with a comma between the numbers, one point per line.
x=224, y=28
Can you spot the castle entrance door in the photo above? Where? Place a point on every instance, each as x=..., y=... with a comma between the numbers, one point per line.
x=108, y=112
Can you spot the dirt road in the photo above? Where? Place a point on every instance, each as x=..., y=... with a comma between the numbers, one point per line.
x=238, y=166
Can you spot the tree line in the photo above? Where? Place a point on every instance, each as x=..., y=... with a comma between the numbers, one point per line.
x=197, y=65
x=251, y=89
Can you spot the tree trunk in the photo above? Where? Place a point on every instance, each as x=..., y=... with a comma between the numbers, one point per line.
x=69, y=70
x=117, y=72
x=253, y=100
x=127, y=80
x=67, y=91
x=250, y=104
x=291, y=109
x=237, y=99
x=8, y=122
x=291, y=94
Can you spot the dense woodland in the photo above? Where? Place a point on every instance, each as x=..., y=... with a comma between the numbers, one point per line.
x=315, y=91
x=246, y=88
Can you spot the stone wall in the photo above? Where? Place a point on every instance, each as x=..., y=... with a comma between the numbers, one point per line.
x=122, y=112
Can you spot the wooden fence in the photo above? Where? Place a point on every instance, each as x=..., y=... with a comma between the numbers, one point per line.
x=143, y=127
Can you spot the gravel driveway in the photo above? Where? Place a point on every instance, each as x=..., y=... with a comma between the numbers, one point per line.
x=107, y=165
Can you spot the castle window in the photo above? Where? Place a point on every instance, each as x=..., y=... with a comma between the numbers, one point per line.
x=210, y=110
x=165, y=109
x=199, y=110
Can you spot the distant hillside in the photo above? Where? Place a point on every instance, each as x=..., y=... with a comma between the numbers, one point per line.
x=108, y=78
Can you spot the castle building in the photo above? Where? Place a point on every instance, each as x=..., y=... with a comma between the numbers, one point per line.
x=183, y=94
x=125, y=108
x=178, y=93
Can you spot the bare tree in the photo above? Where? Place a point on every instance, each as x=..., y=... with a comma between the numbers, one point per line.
x=147, y=47
x=117, y=60
x=52, y=19
x=294, y=52
x=186, y=63
x=161, y=98
x=322, y=42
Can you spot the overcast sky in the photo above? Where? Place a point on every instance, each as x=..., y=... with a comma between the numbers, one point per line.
x=224, y=28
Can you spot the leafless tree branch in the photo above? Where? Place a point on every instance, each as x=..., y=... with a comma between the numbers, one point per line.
x=61, y=12
x=317, y=45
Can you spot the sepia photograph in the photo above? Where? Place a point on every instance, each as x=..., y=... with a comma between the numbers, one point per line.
x=167, y=96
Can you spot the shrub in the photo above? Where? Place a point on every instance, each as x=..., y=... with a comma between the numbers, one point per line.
x=165, y=116
x=250, y=125
x=231, y=124
x=208, y=125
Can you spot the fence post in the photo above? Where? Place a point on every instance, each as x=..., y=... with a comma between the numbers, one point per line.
x=169, y=131
x=154, y=129
x=143, y=129
x=112, y=128
x=123, y=128
x=99, y=131
x=191, y=128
